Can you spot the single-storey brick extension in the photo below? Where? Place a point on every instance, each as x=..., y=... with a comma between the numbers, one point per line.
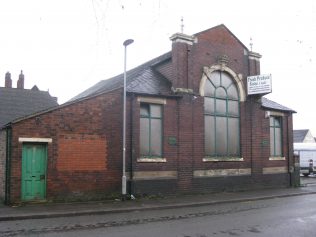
x=191, y=127
x=17, y=103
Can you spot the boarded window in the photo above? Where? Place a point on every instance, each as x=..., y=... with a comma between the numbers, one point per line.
x=77, y=152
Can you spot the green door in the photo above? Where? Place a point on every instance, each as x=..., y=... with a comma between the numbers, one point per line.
x=34, y=158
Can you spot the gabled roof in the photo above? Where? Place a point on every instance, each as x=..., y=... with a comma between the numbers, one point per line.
x=142, y=79
x=16, y=103
x=299, y=135
x=269, y=104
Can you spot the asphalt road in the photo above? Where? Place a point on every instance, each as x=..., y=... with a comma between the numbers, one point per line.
x=291, y=216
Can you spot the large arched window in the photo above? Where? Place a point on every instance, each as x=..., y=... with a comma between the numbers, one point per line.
x=221, y=116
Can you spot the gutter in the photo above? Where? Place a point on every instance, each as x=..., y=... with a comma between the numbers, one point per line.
x=290, y=161
x=171, y=96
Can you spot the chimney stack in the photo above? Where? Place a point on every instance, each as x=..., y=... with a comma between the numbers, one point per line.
x=181, y=45
x=254, y=63
x=8, y=80
x=20, y=83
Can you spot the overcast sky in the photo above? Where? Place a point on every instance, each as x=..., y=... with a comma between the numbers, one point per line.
x=66, y=46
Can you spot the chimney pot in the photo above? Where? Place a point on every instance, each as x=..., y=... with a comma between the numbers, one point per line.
x=8, y=80
x=20, y=83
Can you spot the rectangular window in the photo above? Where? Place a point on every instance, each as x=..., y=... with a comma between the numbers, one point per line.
x=275, y=136
x=150, y=130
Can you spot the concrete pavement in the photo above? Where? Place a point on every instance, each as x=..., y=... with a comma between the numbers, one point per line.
x=49, y=210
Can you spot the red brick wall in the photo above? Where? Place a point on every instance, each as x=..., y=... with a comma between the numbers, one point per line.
x=170, y=125
x=79, y=152
x=210, y=46
x=180, y=52
x=183, y=119
x=84, y=156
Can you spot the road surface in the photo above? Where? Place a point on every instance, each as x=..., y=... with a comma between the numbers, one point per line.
x=290, y=216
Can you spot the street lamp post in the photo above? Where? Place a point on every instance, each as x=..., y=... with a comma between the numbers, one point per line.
x=125, y=43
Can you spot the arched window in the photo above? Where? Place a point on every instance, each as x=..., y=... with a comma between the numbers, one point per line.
x=221, y=116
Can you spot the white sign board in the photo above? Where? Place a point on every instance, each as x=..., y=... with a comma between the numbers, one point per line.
x=260, y=84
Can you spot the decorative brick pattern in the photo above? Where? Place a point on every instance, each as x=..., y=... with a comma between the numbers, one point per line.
x=81, y=153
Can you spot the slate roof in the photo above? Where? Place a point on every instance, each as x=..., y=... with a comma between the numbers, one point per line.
x=269, y=104
x=149, y=79
x=299, y=135
x=17, y=103
x=144, y=79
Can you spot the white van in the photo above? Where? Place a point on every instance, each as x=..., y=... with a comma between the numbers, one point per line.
x=307, y=154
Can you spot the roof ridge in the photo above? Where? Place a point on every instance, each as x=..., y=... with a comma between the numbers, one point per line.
x=24, y=89
x=149, y=63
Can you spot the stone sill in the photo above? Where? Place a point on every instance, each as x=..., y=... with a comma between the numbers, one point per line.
x=276, y=158
x=222, y=159
x=152, y=160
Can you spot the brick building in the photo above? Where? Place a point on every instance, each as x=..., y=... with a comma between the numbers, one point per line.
x=191, y=127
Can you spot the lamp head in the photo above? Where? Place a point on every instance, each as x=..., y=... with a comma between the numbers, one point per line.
x=128, y=42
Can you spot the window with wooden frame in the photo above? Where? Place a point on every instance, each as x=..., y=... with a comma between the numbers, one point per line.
x=221, y=116
x=150, y=130
x=275, y=136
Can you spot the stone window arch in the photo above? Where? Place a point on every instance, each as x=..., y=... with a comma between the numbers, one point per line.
x=207, y=71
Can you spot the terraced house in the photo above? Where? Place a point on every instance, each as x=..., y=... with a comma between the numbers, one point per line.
x=192, y=126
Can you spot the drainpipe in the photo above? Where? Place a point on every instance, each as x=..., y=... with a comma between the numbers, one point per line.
x=251, y=134
x=132, y=151
x=251, y=122
x=288, y=151
x=8, y=164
